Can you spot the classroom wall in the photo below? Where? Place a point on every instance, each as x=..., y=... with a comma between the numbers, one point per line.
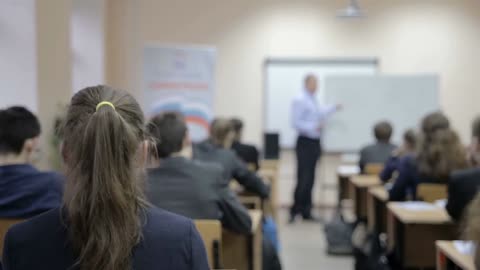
x=54, y=65
x=407, y=36
x=18, y=55
x=87, y=36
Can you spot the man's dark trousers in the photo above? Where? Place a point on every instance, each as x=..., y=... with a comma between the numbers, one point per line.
x=308, y=153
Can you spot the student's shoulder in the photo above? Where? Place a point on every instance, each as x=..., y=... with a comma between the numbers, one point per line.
x=50, y=176
x=470, y=174
x=207, y=166
x=41, y=226
x=166, y=226
x=407, y=162
x=367, y=148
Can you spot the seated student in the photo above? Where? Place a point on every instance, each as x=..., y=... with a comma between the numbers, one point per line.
x=24, y=190
x=105, y=221
x=248, y=153
x=381, y=149
x=465, y=184
x=407, y=148
x=217, y=149
x=439, y=153
x=193, y=189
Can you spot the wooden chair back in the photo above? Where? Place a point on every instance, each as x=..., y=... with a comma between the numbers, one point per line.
x=211, y=233
x=430, y=192
x=5, y=224
x=373, y=168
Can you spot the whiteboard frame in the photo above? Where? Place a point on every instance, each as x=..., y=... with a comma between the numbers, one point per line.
x=307, y=60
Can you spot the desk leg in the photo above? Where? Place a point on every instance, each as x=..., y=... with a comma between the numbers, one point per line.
x=372, y=216
x=342, y=189
x=390, y=231
x=257, y=251
x=441, y=260
x=356, y=200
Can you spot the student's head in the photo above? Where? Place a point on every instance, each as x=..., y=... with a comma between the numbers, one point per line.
x=221, y=132
x=434, y=122
x=409, y=140
x=475, y=144
x=237, y=126
x=440, y=151
x=103, y=151
x=169, y=130
x=310, y=82
x=383, y=131
x=19, y=132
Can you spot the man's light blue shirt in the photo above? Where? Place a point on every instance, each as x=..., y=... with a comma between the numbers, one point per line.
x=308, y=117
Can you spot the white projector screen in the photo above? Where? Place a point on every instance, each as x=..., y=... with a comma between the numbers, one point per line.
x=401, y=100
x=284, y=79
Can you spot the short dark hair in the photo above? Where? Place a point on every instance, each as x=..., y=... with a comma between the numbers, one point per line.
x=17, y=124
x=219, y=130
x=410, y=137
x=383, y=131
x=476, y=127
x=237, y=125
x=168, y=130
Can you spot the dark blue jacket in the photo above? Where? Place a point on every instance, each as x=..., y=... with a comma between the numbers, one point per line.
x=26, y=192
x=463, y=186
x=169, y=242
x=408, y=179
x=390, y=167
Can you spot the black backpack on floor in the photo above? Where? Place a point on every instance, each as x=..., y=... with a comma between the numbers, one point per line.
x=339, y=235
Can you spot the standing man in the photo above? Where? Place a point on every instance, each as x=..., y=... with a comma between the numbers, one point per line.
x=308, y=118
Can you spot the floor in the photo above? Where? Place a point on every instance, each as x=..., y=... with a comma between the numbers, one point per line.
x=303, y=244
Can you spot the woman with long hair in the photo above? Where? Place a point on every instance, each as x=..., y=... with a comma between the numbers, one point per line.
x=105, y=222
x=439, y=153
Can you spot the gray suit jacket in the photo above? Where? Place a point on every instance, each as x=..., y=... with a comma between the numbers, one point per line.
x=375, y=153
x=196, y=190
x=233, y=167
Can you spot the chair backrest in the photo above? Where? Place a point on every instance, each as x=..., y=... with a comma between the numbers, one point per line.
x=373, y=168
x=5, y=224
x=430, y=192
x=211, y=233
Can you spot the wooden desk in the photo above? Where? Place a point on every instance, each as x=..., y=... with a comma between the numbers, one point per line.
x=412, y=234
x=211, y=233
x=448, y=257
x=358, y=186
x=273, y=202
x=244, y=252
x=344, y=172
x=377, y=198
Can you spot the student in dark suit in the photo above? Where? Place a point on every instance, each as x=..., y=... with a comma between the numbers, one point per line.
x=217, y=149
x=188, y=187
x=440, y=152
x=381, y=150
x=105, y=221
x=24, y=190
x=248, y=153
x=407, y=148
x=465, y=184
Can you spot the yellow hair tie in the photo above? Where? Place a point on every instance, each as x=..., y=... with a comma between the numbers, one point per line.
x=105, y=103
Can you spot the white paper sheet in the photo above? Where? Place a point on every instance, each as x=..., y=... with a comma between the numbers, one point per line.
x=464, y=247
x=348, y=169
x=418, y=206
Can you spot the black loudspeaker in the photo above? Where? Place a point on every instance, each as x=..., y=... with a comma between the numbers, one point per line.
x=271, y=146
